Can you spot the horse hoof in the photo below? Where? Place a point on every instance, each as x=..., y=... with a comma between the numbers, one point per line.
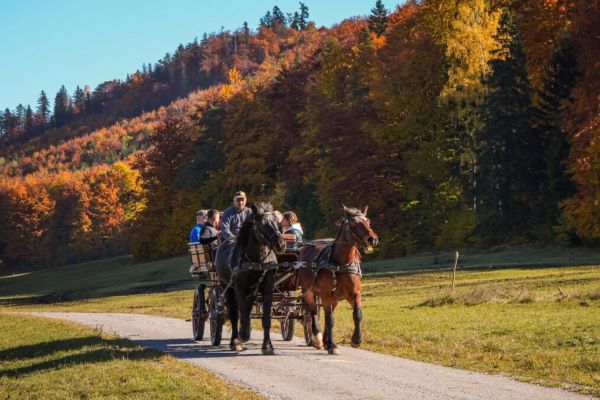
x=334, y=351
x=317, y=341
x=355, y=345
x=268, y=351
x=236, y=346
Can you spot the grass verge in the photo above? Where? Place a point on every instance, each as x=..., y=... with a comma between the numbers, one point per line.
x=49, y=359
x=536, y=324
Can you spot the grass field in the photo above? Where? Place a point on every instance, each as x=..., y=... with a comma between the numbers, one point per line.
x=536, y=324
x=49, y=359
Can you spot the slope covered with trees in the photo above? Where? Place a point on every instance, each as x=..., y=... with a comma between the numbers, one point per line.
x=460, y=122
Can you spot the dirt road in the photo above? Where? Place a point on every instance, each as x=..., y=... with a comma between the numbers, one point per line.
x=299, y=372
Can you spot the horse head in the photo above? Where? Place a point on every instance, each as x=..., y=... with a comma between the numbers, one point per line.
x=357, y=229
x=265, y=228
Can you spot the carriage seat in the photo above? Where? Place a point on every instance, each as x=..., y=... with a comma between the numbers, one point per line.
x=201, y=257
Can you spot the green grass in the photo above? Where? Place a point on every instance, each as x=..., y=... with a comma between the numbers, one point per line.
x=494, y=259
x=536, y=324
x=49, y=359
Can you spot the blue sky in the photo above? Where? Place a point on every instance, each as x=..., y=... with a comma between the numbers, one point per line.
x=44, y=44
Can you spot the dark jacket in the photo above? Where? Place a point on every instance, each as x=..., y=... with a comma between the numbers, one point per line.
x=209, y=234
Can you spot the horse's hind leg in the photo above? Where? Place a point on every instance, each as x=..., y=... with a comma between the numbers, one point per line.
x=267, y=292
x=232, y=310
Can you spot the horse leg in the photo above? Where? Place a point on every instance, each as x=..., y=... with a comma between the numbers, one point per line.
x=311, y=303
x=244, y=302
x=356, y=302
x=329, y=324
x=329, y=301
x=235, y=343
x=349, y=285
x=267, y=292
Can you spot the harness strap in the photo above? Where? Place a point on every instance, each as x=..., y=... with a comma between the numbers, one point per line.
x=322, y=262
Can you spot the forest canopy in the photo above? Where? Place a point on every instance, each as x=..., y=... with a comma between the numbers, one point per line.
x=460, y=123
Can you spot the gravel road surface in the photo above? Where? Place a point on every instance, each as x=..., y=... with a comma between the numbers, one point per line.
x=300, y=372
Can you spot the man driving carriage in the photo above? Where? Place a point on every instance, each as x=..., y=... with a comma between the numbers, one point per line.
x=234, y=216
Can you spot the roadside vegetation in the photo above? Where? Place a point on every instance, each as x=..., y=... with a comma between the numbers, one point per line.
x=49, y=359
x=535, y=324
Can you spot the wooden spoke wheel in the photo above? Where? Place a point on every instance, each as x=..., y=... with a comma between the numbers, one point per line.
x=287, y=328
x=198, y=313
x=216, y=313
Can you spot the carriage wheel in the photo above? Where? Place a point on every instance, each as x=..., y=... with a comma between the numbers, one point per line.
x=198, y=313
x=216, y=315
x=287, y=328
x=307, y=323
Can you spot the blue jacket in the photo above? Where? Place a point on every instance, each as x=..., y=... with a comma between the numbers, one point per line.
x=232, y=220
x=195, y=233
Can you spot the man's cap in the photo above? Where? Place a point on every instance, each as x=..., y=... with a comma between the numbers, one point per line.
x=239, y=194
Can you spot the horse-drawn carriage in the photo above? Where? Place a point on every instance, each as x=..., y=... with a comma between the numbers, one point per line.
x=260, y=272
x=209, y=298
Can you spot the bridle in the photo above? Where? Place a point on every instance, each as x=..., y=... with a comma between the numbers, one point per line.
x=347, y=225
x=262, y=238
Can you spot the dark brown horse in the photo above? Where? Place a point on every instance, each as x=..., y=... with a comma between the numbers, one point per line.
x=251, y=256
x=332, y=272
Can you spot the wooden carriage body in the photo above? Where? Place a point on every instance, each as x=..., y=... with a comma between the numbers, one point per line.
x=287, y=307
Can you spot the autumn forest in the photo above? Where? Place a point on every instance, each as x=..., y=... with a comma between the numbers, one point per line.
x=463, y=123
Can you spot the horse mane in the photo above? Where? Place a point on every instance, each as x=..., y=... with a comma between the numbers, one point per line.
x=244, y=232
x=355, y=255
x=246, y=228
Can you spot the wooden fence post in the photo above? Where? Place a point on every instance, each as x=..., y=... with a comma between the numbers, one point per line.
x=454, y=270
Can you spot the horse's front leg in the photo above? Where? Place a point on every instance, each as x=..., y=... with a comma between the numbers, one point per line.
x=355, y=301
x=267, y=292
x=245, y=301
x=311, y=304
x=329, y=307
x=234, y=343
x=357, y=317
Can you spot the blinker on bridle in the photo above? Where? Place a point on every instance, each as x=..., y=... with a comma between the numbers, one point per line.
x=265, y=241
x=349, y=228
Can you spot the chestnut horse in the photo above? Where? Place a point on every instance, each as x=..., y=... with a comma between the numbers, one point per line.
x=332, y=272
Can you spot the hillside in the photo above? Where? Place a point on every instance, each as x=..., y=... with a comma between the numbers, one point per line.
x=460, y=124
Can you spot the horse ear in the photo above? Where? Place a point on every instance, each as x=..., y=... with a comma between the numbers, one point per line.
x=346, y=209
x=366, y=209
x=254, y=208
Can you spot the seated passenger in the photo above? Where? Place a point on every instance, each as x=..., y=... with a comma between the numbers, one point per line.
x=210, y=234
x=290, y=224
x=197, y=230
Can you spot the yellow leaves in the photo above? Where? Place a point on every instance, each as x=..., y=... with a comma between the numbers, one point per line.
x=235, y=78
x=469, y=43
